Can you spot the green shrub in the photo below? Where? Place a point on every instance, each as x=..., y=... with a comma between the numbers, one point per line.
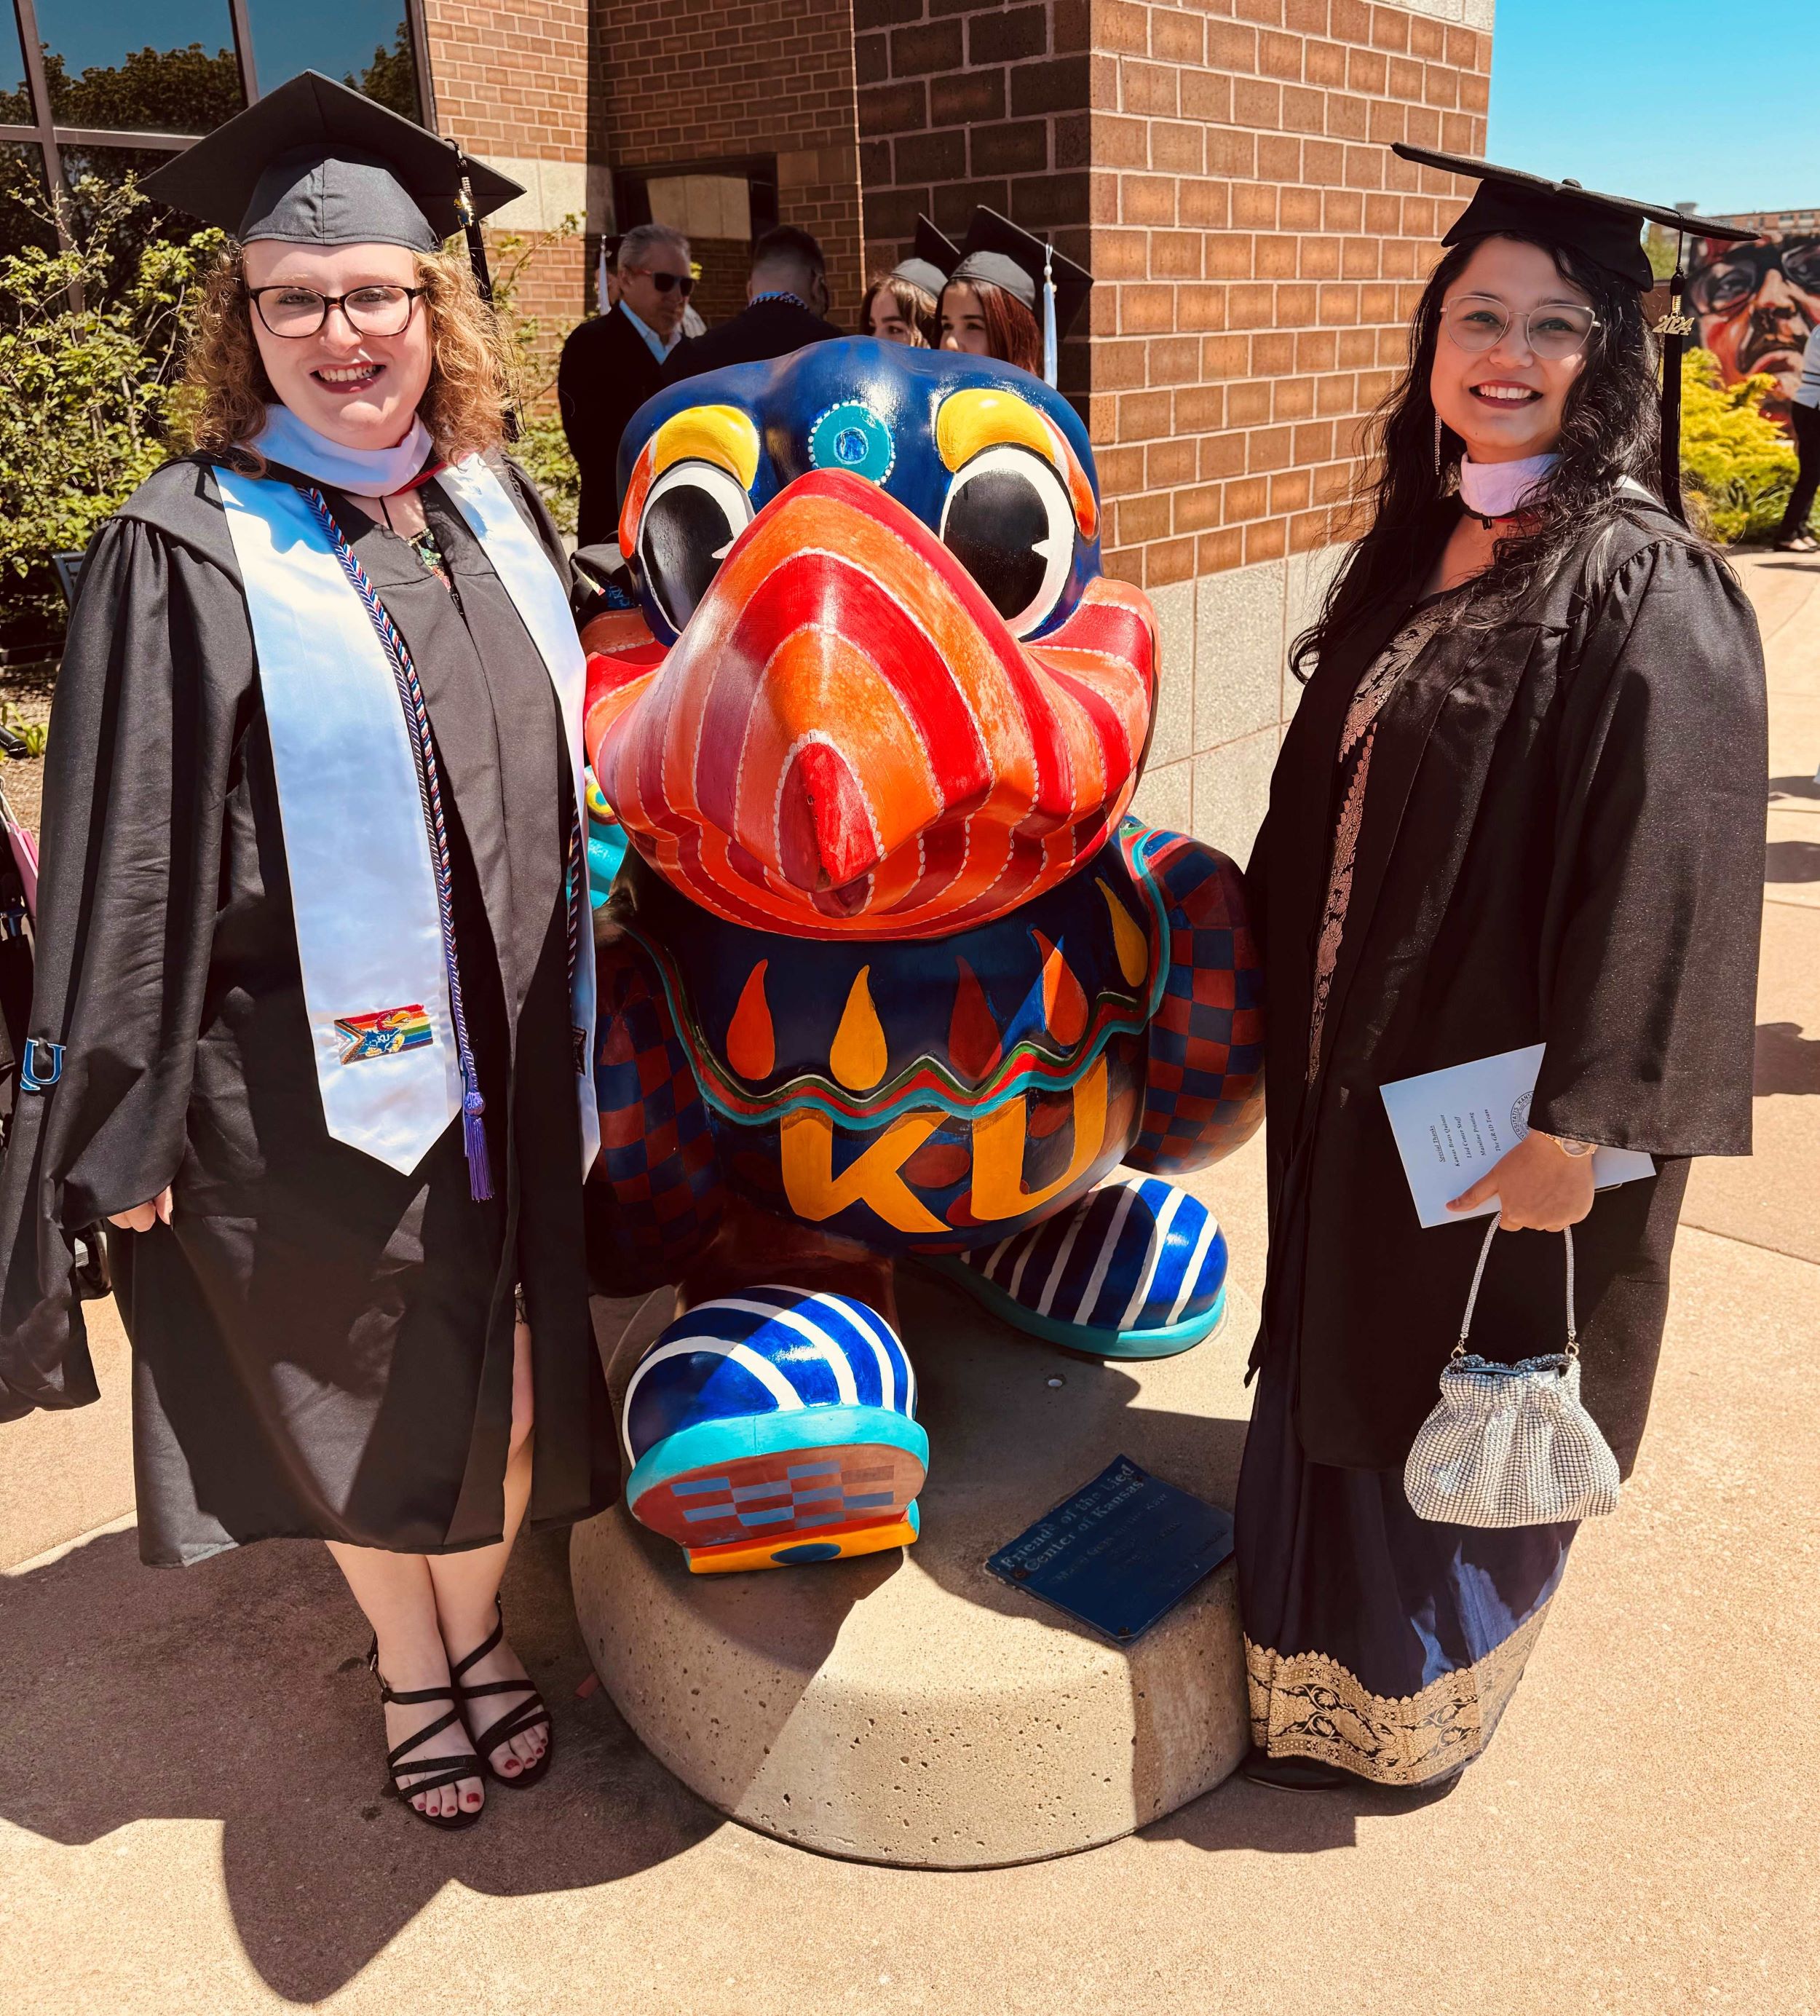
x=32, y=733
x=540, y=446
x=91, y=354
x=1739, y=465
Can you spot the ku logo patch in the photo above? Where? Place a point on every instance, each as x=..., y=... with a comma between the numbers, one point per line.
x=384, y=1034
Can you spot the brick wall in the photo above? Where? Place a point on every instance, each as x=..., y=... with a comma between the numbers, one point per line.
x=694, y=82
x=1259, y=253
x=962, y=103
x=510, y=80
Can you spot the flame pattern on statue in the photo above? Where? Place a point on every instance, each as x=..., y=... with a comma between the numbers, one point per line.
x=888, y=968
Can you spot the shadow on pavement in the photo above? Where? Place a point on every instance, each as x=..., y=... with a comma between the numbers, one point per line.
x=1791, y=861
x=237, y=1691
x=1787, y=1061
x=1794, y=788
x=1238, y=1814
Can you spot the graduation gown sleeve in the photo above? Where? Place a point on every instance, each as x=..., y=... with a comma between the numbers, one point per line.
x=141, y=743
x=1649, y=989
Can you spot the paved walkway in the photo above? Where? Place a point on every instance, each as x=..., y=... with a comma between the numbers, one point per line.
x=190, y=1772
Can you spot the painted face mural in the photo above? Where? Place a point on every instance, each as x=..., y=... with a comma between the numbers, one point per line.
x=887, y=962
x=1753, y=305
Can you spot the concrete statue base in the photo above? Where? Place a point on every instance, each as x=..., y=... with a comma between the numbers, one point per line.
x=908, y=1707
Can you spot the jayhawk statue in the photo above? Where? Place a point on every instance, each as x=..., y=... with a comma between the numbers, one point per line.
x=886, y=971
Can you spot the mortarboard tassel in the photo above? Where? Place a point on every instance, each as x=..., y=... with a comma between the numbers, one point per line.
x=471, y=230
x=600, y=300
x=1673, y=328
x=1051, y=362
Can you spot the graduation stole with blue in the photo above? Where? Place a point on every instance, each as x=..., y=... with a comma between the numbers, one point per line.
x=360, y=804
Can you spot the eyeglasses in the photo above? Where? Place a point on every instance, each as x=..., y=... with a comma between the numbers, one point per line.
x=664, y=282
x=1475, y=324
x=1738, y=274
x=298, y=311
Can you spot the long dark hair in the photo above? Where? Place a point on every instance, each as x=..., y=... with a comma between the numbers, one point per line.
x=1609, y=429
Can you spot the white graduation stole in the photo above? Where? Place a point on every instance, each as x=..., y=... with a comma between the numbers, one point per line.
x=363, y=888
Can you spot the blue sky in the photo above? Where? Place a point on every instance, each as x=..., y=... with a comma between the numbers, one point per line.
x=1670, y=100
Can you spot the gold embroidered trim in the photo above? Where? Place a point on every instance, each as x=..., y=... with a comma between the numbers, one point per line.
x=1306, y=1704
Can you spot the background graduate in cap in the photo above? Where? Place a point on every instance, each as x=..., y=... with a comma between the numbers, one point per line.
x=899, y=306
x=314, y=990
x=1520, y=803
x=1011, y=296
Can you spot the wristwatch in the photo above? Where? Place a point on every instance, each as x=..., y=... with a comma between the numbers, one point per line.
x=1575, y=1149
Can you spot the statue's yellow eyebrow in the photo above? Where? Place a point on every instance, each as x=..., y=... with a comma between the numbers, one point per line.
x=721, y=434
x=981, y=416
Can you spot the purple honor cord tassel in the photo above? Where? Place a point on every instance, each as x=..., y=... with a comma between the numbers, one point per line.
x=429, y=786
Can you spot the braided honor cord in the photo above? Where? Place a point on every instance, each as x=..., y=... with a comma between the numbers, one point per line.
x=429, y=786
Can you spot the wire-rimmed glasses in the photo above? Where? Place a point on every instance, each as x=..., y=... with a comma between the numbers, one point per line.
x=1477, y=323
x=300, y=311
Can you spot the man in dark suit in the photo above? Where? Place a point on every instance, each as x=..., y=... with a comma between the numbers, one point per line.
x=786, y=303
x=613, y=364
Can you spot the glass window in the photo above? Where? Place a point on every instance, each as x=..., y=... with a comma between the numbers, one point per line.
x=24, y=205
x=140, y=66
x=14, y=98
x=366, y=43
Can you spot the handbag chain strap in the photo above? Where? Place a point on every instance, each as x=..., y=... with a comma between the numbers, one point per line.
x=1459, y=1350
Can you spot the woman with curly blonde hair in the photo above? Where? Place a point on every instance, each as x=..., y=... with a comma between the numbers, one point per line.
x=314, y=1007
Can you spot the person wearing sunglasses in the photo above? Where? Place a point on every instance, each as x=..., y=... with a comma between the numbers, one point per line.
x=612, y=364
x=1754, y=305
x=311, y=1030
x=1520, y=805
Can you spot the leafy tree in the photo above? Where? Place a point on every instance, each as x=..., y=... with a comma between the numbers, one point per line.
x=1737, y=463
x=150, y=90
x=391, y=78
x=91, y=351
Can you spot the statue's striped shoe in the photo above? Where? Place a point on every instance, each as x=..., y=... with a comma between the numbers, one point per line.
x=773, y=1427
x=1137, y=1269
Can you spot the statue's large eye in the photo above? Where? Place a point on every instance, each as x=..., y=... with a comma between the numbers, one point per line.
x=694, y=512
x=1008, y=522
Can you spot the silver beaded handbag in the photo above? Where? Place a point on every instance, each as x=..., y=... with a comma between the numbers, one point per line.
x=1511, y=1445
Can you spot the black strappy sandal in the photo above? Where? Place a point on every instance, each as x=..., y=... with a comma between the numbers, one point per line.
x=448, y=1769
x=529, y=1714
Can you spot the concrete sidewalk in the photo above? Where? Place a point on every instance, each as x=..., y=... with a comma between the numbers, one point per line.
x=190, y=1771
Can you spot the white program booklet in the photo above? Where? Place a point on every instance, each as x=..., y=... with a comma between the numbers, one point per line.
x=1452, y=1125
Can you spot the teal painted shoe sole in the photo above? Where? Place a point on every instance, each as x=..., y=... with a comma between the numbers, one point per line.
x=1169, y=1343
x=779, y=1478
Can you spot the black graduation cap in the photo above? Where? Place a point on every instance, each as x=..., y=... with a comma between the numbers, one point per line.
x=1005, y=255
x=1607, y=229
x=315, y=162
x=929, y=266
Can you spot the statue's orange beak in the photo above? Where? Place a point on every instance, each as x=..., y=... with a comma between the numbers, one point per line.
x=847, y=738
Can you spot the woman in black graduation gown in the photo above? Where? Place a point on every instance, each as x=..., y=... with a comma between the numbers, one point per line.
x=1521, y=802
x=326, y=1344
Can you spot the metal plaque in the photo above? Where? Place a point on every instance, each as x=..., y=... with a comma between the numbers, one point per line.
x=1121, y=1554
